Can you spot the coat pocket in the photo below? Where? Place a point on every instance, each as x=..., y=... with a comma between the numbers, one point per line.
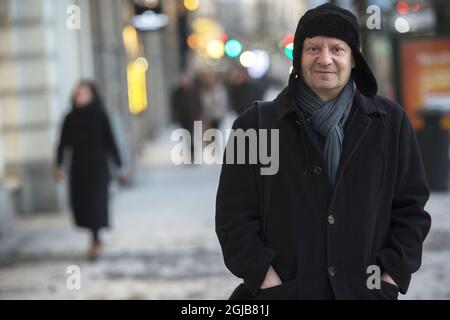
x=241, y=293
x=389, y=290
x=359, y=290
x=285, y=291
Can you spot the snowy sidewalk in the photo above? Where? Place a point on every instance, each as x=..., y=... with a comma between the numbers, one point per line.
x=162, y=244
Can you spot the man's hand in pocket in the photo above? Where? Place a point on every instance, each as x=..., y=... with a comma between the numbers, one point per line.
x=272, y=279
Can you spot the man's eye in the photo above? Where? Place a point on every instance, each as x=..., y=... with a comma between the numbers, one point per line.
x=338, y=49
x=311, y=49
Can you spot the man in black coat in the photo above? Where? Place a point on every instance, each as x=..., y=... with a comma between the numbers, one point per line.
x=343, y=217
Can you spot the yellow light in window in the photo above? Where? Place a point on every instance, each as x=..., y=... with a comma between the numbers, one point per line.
x=130, y=41
x=193, y=41
x=191, y=5
x=215, y=49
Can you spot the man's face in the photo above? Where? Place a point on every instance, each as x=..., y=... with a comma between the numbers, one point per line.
x=326, y=65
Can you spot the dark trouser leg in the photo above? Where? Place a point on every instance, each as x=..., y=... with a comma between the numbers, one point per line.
x=95, y=236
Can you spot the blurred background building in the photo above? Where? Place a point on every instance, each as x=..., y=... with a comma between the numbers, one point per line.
x=47, y=46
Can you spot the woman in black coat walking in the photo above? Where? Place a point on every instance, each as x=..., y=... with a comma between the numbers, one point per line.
x=87, y=133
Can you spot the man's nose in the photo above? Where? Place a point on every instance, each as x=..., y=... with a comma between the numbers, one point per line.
x=325, y=57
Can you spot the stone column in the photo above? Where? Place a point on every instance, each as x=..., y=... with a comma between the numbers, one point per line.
x=41, y=59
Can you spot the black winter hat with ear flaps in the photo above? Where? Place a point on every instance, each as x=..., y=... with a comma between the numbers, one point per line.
x=333, y=21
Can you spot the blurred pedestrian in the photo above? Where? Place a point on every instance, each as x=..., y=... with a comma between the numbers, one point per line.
x=186, y=105
x=214, y=100
x=87, y=133
x=242, y=90
x=343, y=216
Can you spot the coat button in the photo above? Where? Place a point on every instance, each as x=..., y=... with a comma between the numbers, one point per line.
x=317, y=170
x=331, y=271
x=331, y=219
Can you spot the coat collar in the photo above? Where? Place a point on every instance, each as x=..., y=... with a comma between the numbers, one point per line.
x=368, y=105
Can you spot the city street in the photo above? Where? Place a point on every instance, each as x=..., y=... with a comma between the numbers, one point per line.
x=162, y=244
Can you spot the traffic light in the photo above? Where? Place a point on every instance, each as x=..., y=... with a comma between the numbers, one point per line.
x=287, y=44
x=233, y=48
x=289, y=51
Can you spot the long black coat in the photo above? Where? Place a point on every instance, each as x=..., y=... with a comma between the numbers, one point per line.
x=321, y=240
x=87, y=133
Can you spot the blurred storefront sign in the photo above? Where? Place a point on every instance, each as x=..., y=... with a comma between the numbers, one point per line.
x=425, y=74
x=149, y=15
x=137, y=88
x=131, y=42
x=150, y=21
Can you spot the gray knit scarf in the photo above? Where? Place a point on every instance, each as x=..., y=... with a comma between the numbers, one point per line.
x=328, y=119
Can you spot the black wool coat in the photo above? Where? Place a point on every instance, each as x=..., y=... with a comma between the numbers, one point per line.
x=87, y=133
x=323, y=240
